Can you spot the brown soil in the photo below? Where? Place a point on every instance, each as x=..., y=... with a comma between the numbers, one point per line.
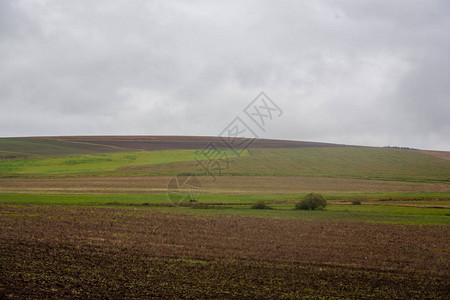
x=113, y=253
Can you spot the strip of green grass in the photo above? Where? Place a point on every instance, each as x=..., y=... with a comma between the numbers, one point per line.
x=369, y=213
x=155, y=198
x=95, y=162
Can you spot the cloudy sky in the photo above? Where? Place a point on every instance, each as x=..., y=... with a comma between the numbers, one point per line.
x=354, y=72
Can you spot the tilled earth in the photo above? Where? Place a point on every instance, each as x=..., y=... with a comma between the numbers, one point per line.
x=82, y=252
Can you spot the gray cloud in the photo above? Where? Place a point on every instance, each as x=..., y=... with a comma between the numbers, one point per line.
x=373, y=73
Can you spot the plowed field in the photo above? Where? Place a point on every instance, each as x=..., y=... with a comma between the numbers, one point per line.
x=99, y=252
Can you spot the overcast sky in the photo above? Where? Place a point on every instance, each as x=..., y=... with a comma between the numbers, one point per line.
x=355, y=72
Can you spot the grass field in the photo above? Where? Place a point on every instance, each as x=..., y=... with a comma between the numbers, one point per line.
x=94, y=162
x=339, y=162
x=82, y=217
x=346, y=162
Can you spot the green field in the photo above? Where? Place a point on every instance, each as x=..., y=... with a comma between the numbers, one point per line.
x=63, y=157
x=95, y=162
x=348, y=162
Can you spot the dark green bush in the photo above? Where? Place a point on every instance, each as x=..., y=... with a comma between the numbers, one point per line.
x=261, y=205
x=312, y=201
x=356, y=202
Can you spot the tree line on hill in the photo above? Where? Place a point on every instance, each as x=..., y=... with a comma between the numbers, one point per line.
x=398, y=147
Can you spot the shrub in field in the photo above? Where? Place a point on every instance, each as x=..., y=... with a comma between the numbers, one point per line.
x=312, y=201
x=356, y=202
x=261, y=205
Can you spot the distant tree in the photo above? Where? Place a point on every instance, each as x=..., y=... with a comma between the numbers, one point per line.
x=312, y=201
x=261, y=205
x=403, y=148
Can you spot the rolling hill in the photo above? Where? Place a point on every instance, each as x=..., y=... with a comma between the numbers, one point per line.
x=170, y=155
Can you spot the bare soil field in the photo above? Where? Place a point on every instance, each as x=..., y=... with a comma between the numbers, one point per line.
x=82, y=252
x=223, y=184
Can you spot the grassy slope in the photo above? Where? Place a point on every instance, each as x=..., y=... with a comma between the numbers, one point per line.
x=351, y=162
x=52, y=147
x=92, y=163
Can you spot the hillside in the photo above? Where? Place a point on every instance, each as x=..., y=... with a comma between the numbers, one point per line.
x=348, y=162
x=78, y=145
x=50, y=147
x=170, y=155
